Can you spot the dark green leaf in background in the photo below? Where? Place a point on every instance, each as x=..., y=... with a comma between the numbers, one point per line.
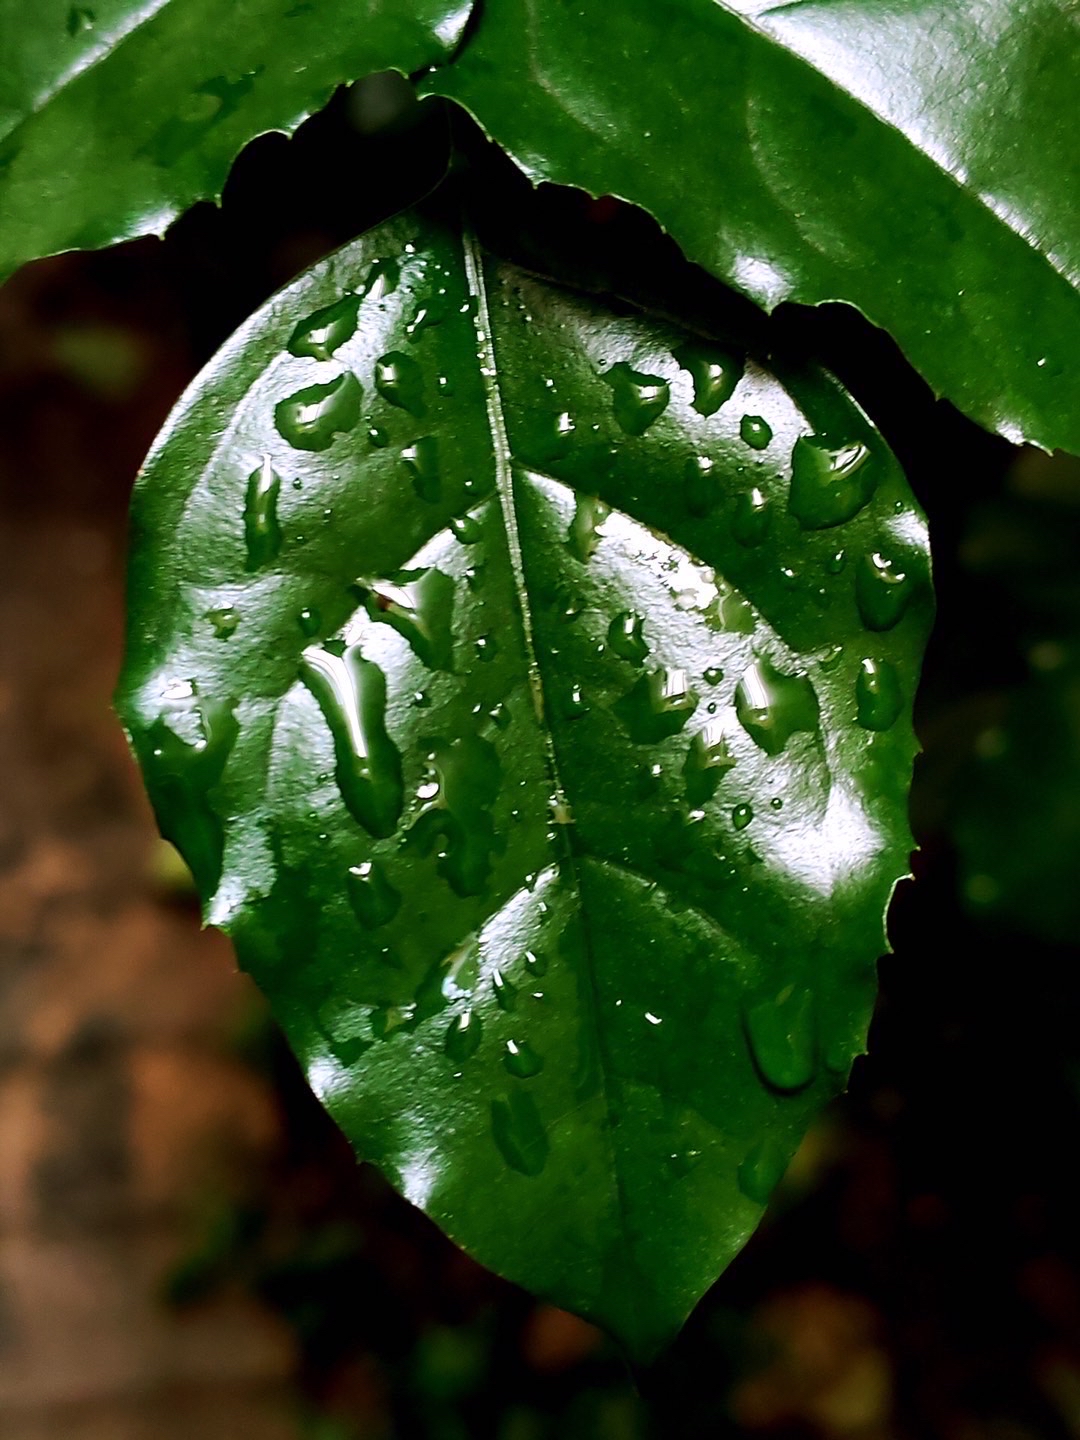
x=916, y=159
x=116, y=116
x=528, y=686
x=1015, y=806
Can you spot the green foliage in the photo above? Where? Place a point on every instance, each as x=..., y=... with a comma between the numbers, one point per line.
x=545, y=752
x=528, y=682
x=115, y=117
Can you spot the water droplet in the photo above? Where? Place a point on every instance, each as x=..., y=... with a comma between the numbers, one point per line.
x=185, y=770
x=374, y=900
x=572, y=704
x=377, y=437
x=699, y=485
x=751, y=519
x=486, y=647
x=659, y=705
x=835, y=563
x=536, y=963
x=499, y=716
x=761, y=1171
x=715, y=375
x=466, y=528
x=383, y=278
x=883, y=592
x=351, y=692
x=400, y=381
x=522, y=1060
x=456, y=818
x=309, y=620
x=519, y=1132
x=755, y=432
x=638, y=400
x=564, y=425
x=80, y=19
x=713, y=675
x=707, y=762
x=741, y=816
x=829, y=484
x=781, y=1034
x=422, y=458
x=625, y=638
x=772, y=706
x=463, y=1037
x=310, y=419
x=585, y=529
x=432, y=312
x=506, y=992
x=224, y=621
x=262, y=533
x=327, y=330
x=419, y=605
x=389, y=1019
x=878, y=697
x=776, y=803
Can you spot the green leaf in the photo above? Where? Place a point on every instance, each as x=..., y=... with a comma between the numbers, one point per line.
x=543, y=743
x=115, y=116
x=915, y=159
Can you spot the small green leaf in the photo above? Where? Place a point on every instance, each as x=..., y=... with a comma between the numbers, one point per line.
x=917, y=159
x=115, y=117
x=531, y=775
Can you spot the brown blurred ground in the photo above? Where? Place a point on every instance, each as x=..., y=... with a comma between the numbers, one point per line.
x=122, y=1101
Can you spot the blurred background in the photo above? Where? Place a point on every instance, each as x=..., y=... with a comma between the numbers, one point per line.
x=187, y=1247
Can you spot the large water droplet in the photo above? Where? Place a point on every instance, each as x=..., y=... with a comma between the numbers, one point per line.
x=637, y=399
x=829, y=484
x=519, y=1132
x=699, y=485
x=761, y=1171
x=463, y=1037
x=327, y=330
x=310, y=419
x=751, y=518
x=433, y=311
x=457, y=812
x=781, y=1034
x=262, y=533
x=522, y=1060
x=741, y=816
x=714, y=372
x=184, y=771
x=80, y=18
x=224, y=621
x=772, y=706
x=755, y=432
x=399, y=380
x=883, y=592
x=659, y=705
x=383, y=278
x=625, y=637
x=707, y=762
x=374, y=900
x=878, y=696
x=466, y=528
x=422, y=458
x=419, y=605
x=351, y=692
x=586, y=527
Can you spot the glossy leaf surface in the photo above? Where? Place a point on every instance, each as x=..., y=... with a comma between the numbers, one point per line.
x=528, y=686
x=116, y=116
x=916, y=159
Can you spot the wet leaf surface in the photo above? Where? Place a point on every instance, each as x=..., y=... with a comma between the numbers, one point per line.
x=116, y=117
x=551, y=769
x=917, y=160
